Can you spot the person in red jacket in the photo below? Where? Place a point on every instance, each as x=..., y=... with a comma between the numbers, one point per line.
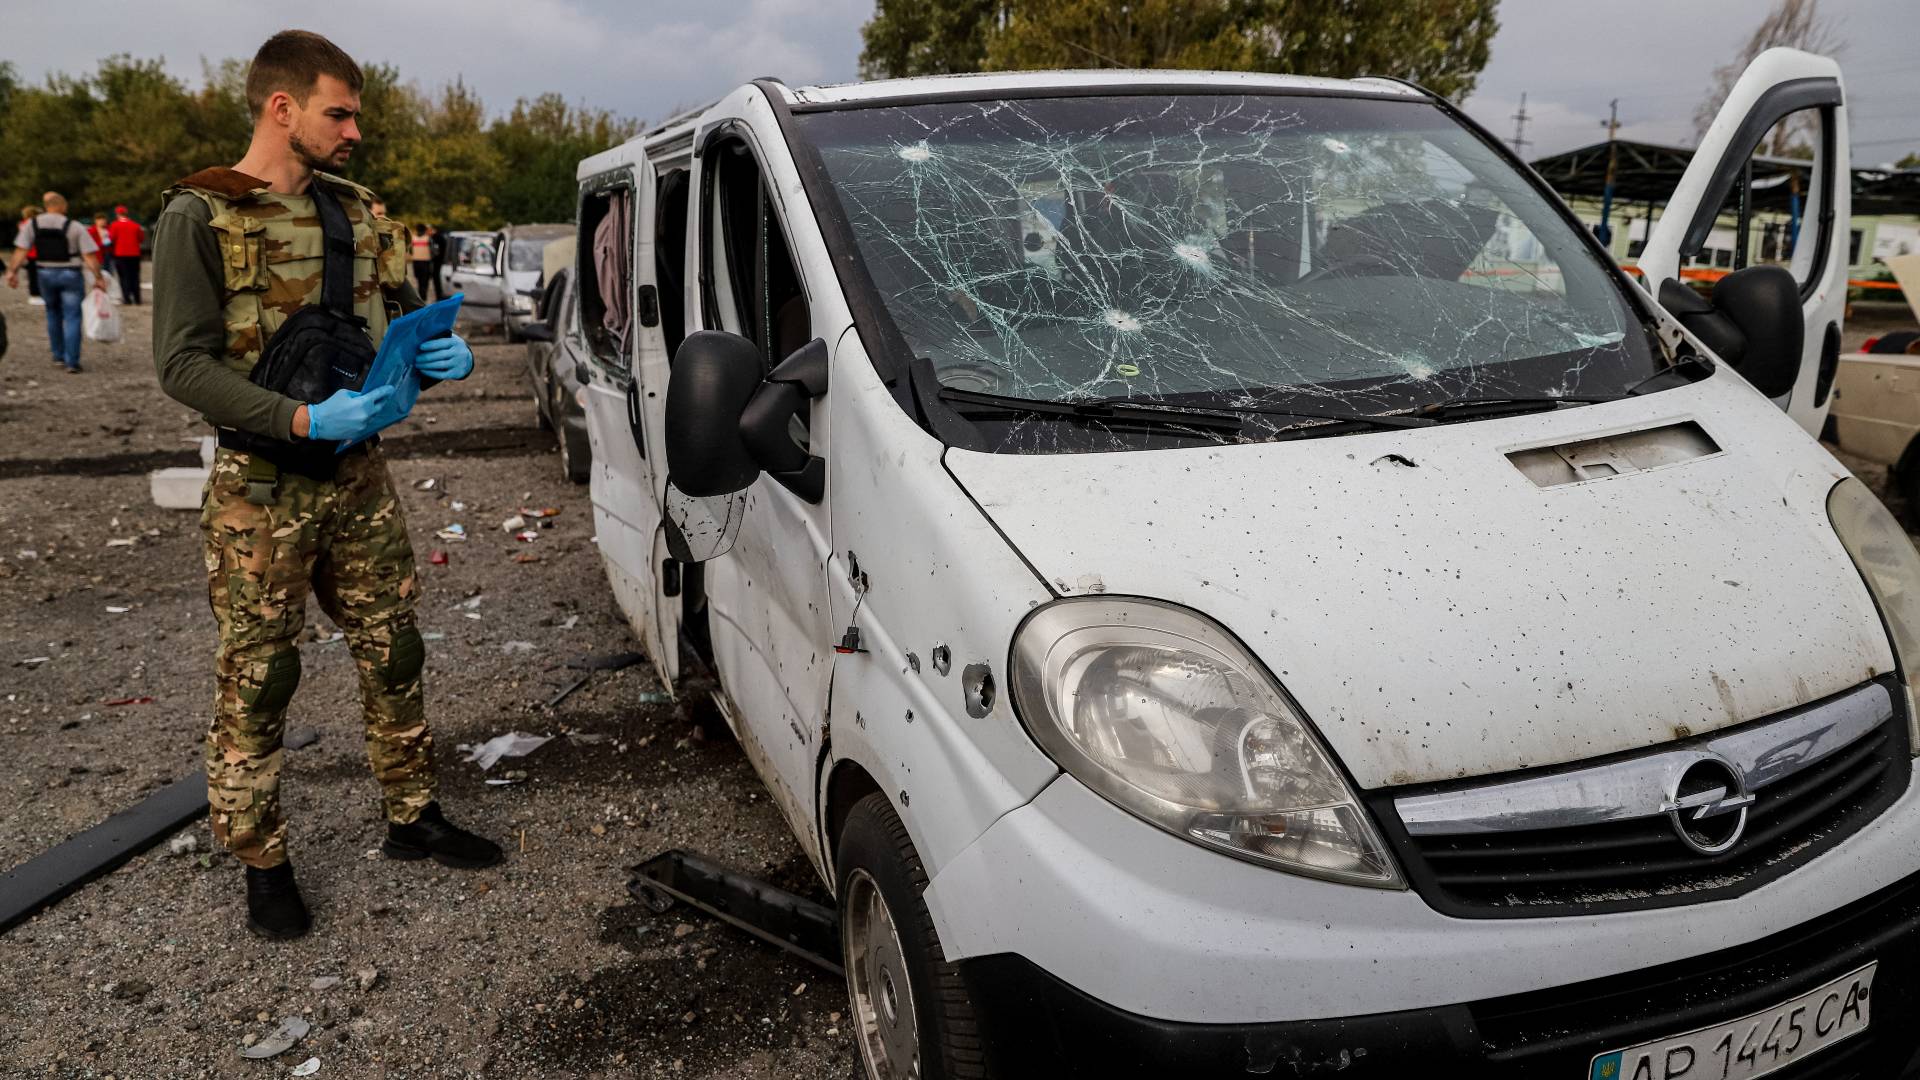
x=127, y=237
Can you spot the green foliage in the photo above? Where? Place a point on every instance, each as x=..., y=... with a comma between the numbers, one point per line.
x=1911, y=161
x=127, y=131
x=1441, y=44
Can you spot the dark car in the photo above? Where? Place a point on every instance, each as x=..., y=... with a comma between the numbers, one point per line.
x=553, y=369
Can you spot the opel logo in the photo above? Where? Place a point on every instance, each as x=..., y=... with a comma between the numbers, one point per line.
x=1708, y=806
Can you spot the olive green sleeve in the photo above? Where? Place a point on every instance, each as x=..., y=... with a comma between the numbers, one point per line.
x=190, y=330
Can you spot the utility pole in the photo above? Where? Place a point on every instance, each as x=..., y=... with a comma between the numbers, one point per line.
x=1520, y=140
x=1612, y=124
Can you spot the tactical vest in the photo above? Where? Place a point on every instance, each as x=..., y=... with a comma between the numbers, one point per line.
x=272, y=253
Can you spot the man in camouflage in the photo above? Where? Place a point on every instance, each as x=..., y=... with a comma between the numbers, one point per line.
x=238, y=251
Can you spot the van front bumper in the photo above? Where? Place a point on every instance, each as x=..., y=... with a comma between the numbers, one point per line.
x=1037, y=1025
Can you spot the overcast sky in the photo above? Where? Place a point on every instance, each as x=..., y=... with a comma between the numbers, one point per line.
x=643, y=59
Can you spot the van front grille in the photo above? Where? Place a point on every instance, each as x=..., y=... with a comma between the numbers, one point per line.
x=1641, y=862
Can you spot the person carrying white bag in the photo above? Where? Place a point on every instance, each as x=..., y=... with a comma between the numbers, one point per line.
x=101, y=316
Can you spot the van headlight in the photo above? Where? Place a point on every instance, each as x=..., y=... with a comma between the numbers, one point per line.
x=1891, y=568
x=1162, y=712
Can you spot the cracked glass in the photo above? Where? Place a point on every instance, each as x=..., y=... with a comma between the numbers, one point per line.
x=1347, y=257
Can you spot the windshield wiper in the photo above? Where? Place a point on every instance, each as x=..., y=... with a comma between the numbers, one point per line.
x=1495, y=404
x=1694, y=361
x=1301, y=412
x=1130, y=412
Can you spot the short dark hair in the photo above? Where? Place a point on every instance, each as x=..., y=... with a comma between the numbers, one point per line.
x=292, y=61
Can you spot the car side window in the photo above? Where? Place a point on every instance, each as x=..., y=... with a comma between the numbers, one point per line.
x=553, y=307
x=604, y=274
x=751, y=286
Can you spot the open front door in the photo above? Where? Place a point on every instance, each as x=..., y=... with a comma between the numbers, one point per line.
x=615, y=270
x=1770, y=183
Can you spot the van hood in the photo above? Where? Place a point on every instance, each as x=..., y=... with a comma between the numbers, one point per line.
x=1439, y=614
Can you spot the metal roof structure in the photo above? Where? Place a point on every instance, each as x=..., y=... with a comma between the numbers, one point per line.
x=1648, y=172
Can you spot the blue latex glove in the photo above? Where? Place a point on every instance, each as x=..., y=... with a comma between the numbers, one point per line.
x=444, y=358
x=348, y=415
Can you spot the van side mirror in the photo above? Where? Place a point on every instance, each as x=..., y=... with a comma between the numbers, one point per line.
x=714, y=375
x=766, y=425
x=537, y=331
x=1753, y=322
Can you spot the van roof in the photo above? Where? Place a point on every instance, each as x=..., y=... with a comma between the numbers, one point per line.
x=986, y=84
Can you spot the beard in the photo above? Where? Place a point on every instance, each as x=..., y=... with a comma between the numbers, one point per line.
x=313, y=158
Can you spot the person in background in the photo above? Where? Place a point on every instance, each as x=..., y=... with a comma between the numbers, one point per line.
x=420, y=256
x=102, y=237
x=437, y=246
x=33, y=264
x=63, y=248
x=127, y=236
x=379, y=209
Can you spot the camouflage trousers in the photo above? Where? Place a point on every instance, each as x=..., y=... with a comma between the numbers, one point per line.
x=345, y=541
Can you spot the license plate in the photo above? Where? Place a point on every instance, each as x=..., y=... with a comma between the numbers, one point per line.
x=1753, y=1045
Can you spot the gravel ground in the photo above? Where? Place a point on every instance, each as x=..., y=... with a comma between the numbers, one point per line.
x=542, y=967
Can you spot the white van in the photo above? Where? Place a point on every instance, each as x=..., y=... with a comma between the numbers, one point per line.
x=1223, y=576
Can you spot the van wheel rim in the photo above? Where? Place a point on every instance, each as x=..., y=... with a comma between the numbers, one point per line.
x=887, y=1026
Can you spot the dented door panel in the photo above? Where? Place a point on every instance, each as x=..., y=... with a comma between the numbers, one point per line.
x=932, y=589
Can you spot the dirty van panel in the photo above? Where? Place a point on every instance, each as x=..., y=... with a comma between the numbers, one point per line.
x=1364, y=255
x=1614, y=455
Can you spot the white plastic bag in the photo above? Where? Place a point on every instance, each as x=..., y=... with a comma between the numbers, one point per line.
x=100, y=318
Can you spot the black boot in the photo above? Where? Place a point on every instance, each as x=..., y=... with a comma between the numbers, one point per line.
x=274, y=907
x=431, y=834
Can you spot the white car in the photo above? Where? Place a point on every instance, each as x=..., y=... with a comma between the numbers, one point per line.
x=1223, y=576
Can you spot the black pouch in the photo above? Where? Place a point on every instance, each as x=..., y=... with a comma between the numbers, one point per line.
x=322, y=349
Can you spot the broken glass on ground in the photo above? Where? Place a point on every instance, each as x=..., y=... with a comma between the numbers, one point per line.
x=1246, y=253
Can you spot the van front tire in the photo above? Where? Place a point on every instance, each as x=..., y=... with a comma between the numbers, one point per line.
x=910, y=1013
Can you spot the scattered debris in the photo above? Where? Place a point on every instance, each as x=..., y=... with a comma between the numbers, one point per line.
x=458, y=506
x=116, y=702
x=513, y=523
x=654, y=697
x=571, y=621
x=567, y=690
x=471, y=602
x=512, y=647
x=367, y=977
x=587, y=738
x=32, y=660
x=526, y=536
x=117, y=541
x=543, y=512
x=290, y=1031
x=307, y=1067
x=113, y=609
x=184, y=844
x=453, y=533
x=512, y=744
x=425, y=485
x=324, y=982
x=525, y=557
x=434, y=635
x=438, y=558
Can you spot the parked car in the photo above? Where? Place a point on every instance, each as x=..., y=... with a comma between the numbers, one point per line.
x=1223, y=575
x=553, y=347
x=1876, y=396
x=475, y=269
x=523, y=249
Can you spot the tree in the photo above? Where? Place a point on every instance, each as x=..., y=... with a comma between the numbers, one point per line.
x=1793, y=24
x=1441, y=44
x=927, y=37
x=1911, y=161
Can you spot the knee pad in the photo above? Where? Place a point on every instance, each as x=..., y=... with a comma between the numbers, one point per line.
x=405, y=657
x=278, y=684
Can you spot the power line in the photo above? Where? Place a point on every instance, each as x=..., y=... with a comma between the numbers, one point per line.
x=1520, y=140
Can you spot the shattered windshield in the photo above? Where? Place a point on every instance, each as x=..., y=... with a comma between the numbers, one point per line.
x=1349, y=254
